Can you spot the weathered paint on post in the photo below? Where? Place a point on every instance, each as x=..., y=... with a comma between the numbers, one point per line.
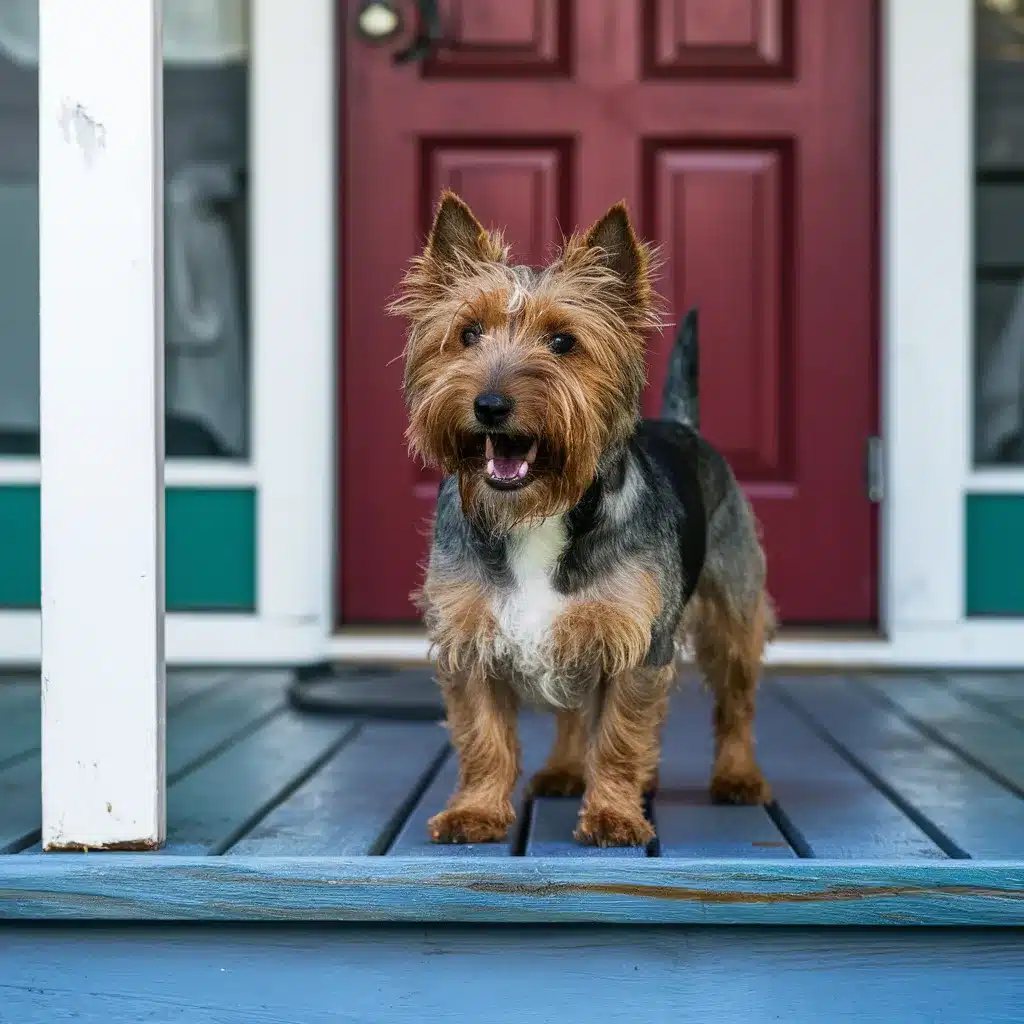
x=101, y=371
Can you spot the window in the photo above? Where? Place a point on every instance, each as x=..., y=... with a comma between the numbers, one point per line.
x=206, y=226
x=999, y=233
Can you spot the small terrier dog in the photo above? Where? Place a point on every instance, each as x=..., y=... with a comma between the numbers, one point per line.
x=576, y=548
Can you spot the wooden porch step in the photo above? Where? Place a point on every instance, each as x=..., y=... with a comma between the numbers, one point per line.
x=898, y=800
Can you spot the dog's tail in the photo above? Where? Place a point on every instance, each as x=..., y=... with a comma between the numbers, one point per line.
x=680, y=399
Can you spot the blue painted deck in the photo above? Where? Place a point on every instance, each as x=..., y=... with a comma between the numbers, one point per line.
x=298, y=885
x=898, y=801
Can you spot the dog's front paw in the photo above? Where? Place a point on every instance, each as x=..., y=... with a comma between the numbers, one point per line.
x=470, y=825
x=560, y=781
x=605, y=826
x=740, y=788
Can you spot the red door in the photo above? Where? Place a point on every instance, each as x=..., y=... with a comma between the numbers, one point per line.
x=742, y=135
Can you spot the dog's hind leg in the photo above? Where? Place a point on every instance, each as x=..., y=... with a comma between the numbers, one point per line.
x=728, y=642
x=728, y=622
x=562, y=775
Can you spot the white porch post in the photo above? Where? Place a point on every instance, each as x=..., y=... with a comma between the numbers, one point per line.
x=102, y=415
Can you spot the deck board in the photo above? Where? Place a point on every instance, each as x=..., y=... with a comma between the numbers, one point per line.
x=964, y=810
x=204, y=711
x=19, y=718
x=897, y=800
x=20, y=805
x=988, y=740
x=209, y=810
x=355, y=802
x=1003, y=694
x=688, y=824
x=362, y=974
x=834, y=810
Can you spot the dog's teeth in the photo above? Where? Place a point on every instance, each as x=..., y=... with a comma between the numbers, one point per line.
x=489, y=453
x=530, y=456
x=524, y=468
x=490, y=465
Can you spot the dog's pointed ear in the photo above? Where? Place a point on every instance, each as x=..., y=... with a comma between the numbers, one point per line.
x=613, y=234
x=456, y=235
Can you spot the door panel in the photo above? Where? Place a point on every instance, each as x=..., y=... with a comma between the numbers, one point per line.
x=704, y=38
x=742, y=135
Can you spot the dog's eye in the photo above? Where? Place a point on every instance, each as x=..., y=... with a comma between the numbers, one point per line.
x=561, y=343
x=471, y=335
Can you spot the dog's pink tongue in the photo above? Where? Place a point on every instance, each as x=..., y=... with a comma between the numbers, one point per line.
x=507, y=469
x=504, y=468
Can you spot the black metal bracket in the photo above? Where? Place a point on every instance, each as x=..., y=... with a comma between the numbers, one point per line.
x=427, y=34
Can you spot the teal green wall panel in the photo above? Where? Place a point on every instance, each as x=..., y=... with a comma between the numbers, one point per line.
x=211, y=548
x=19, y=547
x=995, y=555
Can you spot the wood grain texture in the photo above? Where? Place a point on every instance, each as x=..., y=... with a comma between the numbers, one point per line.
x=371, y=975
x=512, y=889
x=1003, y=694
x=871, y=797
x=20, y=807
x=19, y=718
x=354, y=803
x=688, y=824
x=833, y=809
x=962, y=809
x=20, y=705
x=990, y=741
x=198, y=728
x=209, y=809
x=206, y=711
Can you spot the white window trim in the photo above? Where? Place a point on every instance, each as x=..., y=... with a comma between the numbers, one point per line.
x=998, y=480
x=293, y=117
x=927, y=193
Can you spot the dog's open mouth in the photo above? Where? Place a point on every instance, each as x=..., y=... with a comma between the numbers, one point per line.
x=509, y=460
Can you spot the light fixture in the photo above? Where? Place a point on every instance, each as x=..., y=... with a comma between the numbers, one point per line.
x=378, y=21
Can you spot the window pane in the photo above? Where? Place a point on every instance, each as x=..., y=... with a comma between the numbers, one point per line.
x=999, y=233
x=206, y=225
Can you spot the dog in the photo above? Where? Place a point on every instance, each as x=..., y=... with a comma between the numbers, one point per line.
x=577, y=549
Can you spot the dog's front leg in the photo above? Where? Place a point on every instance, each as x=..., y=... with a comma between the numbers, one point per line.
x=482, y=720
x=622, y=757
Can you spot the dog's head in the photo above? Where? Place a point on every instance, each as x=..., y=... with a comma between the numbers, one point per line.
x=518, y=380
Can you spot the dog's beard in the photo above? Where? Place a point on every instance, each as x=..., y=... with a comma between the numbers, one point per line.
x=538, y=467
x=551, y=484
x=499, y=511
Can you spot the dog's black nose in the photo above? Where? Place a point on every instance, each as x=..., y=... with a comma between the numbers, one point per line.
x=492, y=409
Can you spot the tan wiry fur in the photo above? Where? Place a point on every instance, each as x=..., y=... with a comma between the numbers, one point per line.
x=480, y=326
x=467, y=280
x=728, y=641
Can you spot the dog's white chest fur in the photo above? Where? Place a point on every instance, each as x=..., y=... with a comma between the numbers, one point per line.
x=527, y=612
